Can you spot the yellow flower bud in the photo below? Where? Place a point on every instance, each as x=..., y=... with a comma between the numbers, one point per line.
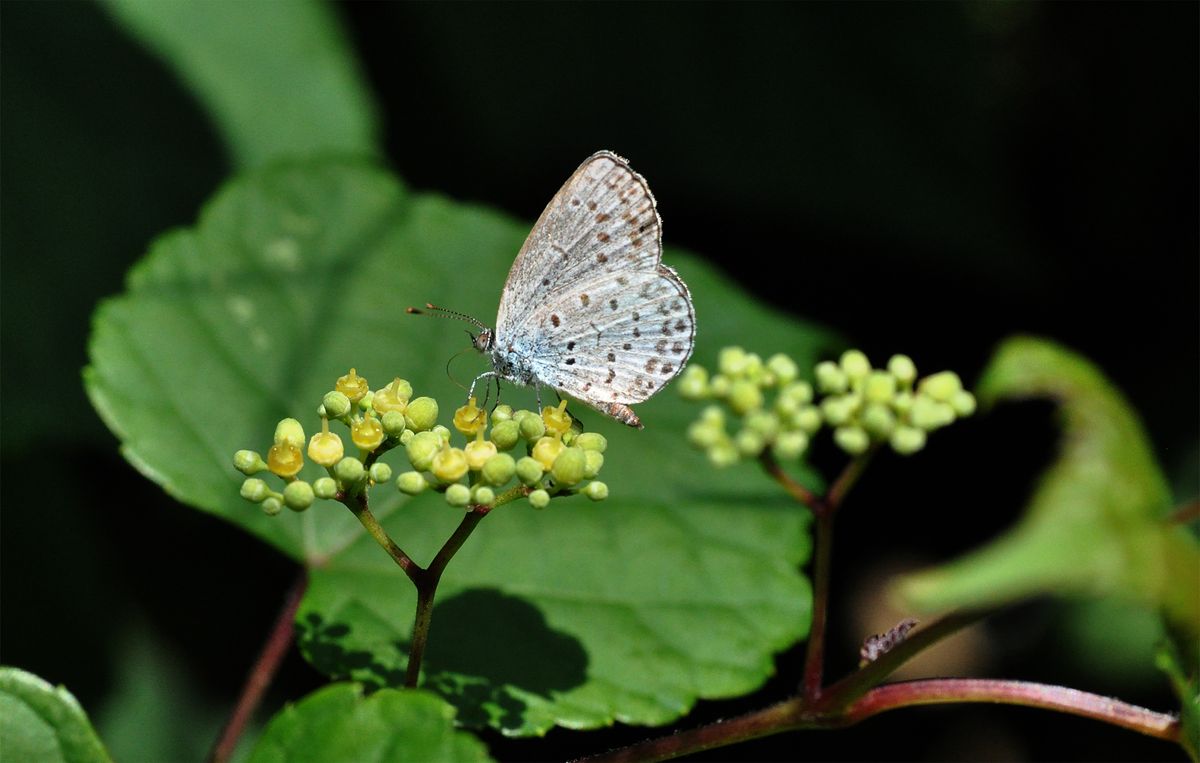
x=478, y=452
x=352, y=386
x=367, y=433
x=325, y=447
x=449, y=464
x=284, y=459
x=546, y=450
x=470, y=418
x=557, y=420
x=393, y=397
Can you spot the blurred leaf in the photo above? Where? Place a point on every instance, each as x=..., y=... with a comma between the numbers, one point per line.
x=278, y=78
x=43, y=723
x=1094, y=524
x=682, y=585
x=154, y=712
x=339, y=723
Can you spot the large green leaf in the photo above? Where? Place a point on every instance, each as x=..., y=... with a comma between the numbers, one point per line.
x=1094, y=524
x=682, y=585
x=339, y=723
x=43, y=723
x=279, y=78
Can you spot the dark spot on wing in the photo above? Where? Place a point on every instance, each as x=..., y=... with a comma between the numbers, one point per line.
x=651, y=364
x=667, y=368
x=554, y=319
x=602, y=237
x=636, y=317
x=602, y=258
x=571, y=345
x=612, y=357
x=627, y=346
x=677, y=348
x=636, y=332
x=570, y=361
x=585, y=299
x=612, y=303
x=601, y=217
x=661, y=346
x=545, y=282
x=592, y=205
x=680, y=325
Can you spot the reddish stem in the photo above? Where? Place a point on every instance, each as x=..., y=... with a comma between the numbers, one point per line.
x=261, y=674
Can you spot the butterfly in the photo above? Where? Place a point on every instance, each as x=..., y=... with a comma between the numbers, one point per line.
x=588, y=307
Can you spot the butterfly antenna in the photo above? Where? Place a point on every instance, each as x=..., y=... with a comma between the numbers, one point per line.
x=442, y=312
x=450, y=375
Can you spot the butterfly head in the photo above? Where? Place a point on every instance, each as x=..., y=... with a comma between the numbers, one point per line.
x=484, y=341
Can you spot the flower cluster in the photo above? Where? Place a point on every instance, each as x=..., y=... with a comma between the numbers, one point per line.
x=559, y=458
x=863, y=405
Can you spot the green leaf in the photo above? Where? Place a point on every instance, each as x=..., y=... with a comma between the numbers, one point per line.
x=1094, y=524
x=278, y=78
x=339, y=722
x=43, y=723
x=682, y=585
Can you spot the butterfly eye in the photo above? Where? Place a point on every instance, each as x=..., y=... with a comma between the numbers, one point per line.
x=483, y=341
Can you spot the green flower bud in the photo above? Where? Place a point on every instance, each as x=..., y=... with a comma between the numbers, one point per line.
x=499, y=469
x=421, y=448
x=963, y=403
x=942, y=387
x=595, y=460
x=539, y=499
x=502, y=413
x=766, y=425
x=731, y=361
x=411, y=483
x=393, y=397
x=366, y=402
x=421, y=414
x=336, y=404
x=703, y=434
x=929, y=414
x=719, y=386
x=393, y=423
x=442, y=432
x=790, y=445
x=349, y=470
x=272, y=506
x=800, y=392
x=478, y=452
x=449, y=464
x=298, y=495
x=749, y=443
x=458, y=495
x=723, y=454
x=254, y=490
x=482, y=495
x=902, y=402
x=290, y=432
x=783, y=368
x=532, y=427
x=879, y=387
x=713, y=414
x=855, y=365
x=837, y=410
x=745, y=396
x=529, y=470
x=878, y=420
x=592, y=441
x=907, y=440
x=902, y=367
x=807, y=419
x=569, y=467
x=506, y=434
x=831, y=380
x=325, y=488
x=380, y=473
x=597, y=491
x=406, y=436
x=754, y=369
x=248, y=462
x=853, y=440
x=693, y=385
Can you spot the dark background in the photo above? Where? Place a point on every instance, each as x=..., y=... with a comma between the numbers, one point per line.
x=925, y=178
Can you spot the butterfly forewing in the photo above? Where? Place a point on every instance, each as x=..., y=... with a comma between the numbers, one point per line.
x=603, y=220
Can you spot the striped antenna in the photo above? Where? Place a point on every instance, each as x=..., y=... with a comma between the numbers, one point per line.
x=441, y=312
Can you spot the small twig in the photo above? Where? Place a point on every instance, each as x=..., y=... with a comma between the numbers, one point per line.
x=376, y=531
x=814, y=657
x=795, y=489
x=938, y=691
x=261, y=674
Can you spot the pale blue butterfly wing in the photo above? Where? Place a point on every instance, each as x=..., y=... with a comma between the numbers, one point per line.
x=588, y=307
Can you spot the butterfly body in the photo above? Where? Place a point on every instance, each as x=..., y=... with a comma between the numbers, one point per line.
x=588, y=308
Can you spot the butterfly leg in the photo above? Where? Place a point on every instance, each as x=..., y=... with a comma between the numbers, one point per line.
x=485, y=375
